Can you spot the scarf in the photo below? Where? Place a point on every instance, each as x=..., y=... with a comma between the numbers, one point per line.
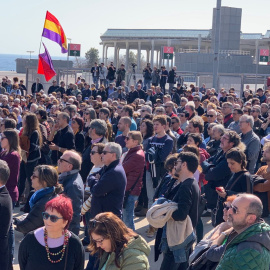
x=39, y=194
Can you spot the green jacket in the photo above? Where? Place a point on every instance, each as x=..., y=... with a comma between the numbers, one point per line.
x=134, y=257
x=250, y=250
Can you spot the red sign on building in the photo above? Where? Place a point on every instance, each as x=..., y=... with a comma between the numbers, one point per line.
x=168, y=49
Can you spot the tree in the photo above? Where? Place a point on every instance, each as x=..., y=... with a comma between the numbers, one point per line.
x=91, y=56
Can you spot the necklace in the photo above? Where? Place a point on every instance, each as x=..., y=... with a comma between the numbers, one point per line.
x=58, y=253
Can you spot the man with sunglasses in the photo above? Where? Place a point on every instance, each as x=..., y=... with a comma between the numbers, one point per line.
x=250, y=248
x=108, y=188
x=69, y=165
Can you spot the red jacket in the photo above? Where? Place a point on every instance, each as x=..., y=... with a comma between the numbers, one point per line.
x=133, y=164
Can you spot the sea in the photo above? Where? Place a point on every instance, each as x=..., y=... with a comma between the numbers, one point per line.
x=8, y=61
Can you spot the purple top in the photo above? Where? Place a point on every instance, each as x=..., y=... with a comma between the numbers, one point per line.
x=13, y=160
x=52, y=242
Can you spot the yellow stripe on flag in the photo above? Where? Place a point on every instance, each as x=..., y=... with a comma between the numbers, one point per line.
x=52, y=27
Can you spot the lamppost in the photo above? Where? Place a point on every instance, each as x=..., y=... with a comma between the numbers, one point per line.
x=216, y=45
x=69, y=39
x=30, y=52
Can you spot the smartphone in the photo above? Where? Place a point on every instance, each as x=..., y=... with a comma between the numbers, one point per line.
x=219, y=189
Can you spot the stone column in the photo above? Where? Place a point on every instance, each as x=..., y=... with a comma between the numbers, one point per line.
x=103, y=52
x=106, y=56
x=127, y=56
x=147, y=55
x=152, y=52
x=118, y=61
x=115, y=54
x=139, y=56
x=157, y=57
x=160, y=57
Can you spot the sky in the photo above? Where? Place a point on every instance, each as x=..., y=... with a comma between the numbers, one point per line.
x=84, y=21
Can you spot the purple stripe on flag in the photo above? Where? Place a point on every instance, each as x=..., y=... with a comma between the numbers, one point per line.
x=47, y=58
x=54, y=37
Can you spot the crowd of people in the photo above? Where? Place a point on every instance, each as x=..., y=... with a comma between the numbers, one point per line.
x=98, y=154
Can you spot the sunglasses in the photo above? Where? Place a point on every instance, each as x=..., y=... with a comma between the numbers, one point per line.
x=127, y=138
x=182, y=115
x=93, y=152
x=173, y=123
x=64, y=160
x=226, y=207
x=87, y=113
x=53, y=218
x=209, y=115
x=106, y=152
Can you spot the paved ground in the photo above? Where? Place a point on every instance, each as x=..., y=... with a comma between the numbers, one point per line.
x=141, y=225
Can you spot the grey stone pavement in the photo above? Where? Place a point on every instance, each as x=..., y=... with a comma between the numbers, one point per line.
x=141, y=226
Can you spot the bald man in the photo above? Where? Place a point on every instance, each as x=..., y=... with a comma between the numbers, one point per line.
x=69, y=165
x=250, y=248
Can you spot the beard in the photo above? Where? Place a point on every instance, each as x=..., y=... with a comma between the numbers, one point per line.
x=237, y=225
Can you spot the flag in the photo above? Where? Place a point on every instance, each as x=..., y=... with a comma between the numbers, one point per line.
x=54, y=31
x=45, y=65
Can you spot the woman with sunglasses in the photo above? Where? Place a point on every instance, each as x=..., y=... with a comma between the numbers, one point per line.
x=45, y=185
x=117, y=246
x=77, y=124
x=88, y=115
x=95, y=155
x=240, y=181
x=217, y=239
x=53, y=246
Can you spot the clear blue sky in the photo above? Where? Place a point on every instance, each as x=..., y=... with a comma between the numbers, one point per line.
x=85, y=20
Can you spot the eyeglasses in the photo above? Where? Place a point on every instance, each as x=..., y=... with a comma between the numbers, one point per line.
x=182, y=115
x=53, y=218
x=98, y=241
x=210, y=115
x=127, y=138
x=87, y=113
x=106, y=152
x=173, y=123
x=143, y=110
x=34, y=176
x=93, y=152
x=234, y=209
x=178, y=161
x=226, y=207
x=62, y=159
x=253, y=111
x=195, y=100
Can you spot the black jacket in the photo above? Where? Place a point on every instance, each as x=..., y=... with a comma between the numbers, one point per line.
x=108, y=192
x=34, y=219
x=187, y=198
x=217, y=174
x=5, y=217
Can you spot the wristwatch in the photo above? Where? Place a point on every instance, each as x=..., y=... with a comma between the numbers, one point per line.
x=225, y=234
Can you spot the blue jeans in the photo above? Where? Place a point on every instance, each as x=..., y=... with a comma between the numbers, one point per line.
x=128, y=212
x=147, y=83
x=95, y=81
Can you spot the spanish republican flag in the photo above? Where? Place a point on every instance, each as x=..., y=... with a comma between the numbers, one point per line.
x=54, y=31
x=45, y=65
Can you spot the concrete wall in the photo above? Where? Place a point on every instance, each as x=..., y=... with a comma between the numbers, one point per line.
x=196, y=62
x=22, y=64
x=230, y=26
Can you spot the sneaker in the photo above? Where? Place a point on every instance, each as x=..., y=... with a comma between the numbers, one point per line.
x=151, y=232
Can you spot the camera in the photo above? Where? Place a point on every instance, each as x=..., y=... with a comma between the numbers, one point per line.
x=133, y=65
x=158, y=70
